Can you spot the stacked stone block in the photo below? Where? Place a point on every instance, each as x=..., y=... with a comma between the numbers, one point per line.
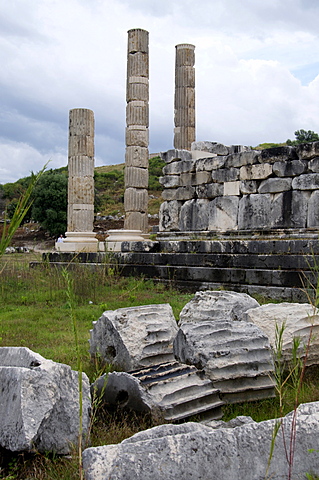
x=184, y=111
x=215, y=187
x=136, y=155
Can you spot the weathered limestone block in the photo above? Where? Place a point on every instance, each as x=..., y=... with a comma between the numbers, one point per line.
x=135, y=200
x=289, y=209
x=135, y=337
x=212, y=147
x=254, y=211
x=197, y=451
x=39, y=403
x=238, y=149
x=248, y=186
x=136, y=157
x=137, y=88
x=300, y=320
x=183, y=136
x=306, y=151
x=137, y=41
x=136, y=136
x=313, y=210
x=216, y=305
x=194, y=215
x=278, y=154
x=81, y=166
x=81, y=190
x=175, y=154
x=314, y=165
x=170, y=181
x=136, y=177
x=225, y=175
x=180, y=166
x=194, y=179
x=235, y=356
x=169, y=216
x=210, y=163
x=223, y=213
x=182, y=193
x=231, y=188
x=275, y=185
x=209, y=190
x=255, y=172
x=244, y=158
x=308, y=181
x=289, y=168
x=82, y=145
x=170, y=392
x=137, y=113
x=137, y=64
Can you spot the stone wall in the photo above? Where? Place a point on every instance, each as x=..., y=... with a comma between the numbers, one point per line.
x=218, y=188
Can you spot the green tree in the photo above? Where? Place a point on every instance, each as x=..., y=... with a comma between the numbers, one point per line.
x=303, y=136
x=50, y=202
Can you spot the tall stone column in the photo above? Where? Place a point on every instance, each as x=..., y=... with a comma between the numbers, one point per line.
x=80, y=235
x=184, y=104
x=137, y=123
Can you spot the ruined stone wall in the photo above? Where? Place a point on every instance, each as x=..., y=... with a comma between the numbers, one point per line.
x=220, y=188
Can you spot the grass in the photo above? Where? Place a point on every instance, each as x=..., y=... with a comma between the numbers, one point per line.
x=35, y=312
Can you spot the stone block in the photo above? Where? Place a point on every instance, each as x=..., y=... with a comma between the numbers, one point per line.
x=209, y=163
x=135, y=200
x=194, y=215
x=300, y=320
x=255, y=172
x=39, y=403
x=180, y=166
x=136, y=157
x=289, y=210
x=278, y=154
x=313, y=210
x=231, y=188
x=137, y=41
x=254, y=211
x=137, y=88
x=136, y=136
x=238, y=149
x=170, y=181
x=314, y=165
x=289, y=168
x=307, y=151
x=182, y=193
x=199, y=452
x=81, y=166
x=169, y=216
x=223, y=213
x=212, y=147
x=275, y=185
x=240, y=159
x=308, y=181
x=209, y=190
x=175, y=154
x=225, y=175
x=81, y=145
x=198, y=154
x=183, y=136
x=135, y=337
x=248, y=186
x=137, y=65
x=136, y=221
x=136, y=177
x=194, y=179
x=185, y=76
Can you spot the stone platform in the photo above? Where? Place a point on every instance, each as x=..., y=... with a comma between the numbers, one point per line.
x=277, y=264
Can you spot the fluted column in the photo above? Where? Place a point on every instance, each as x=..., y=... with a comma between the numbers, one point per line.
x=137, y=122
x=80, y=236
x=184, y=103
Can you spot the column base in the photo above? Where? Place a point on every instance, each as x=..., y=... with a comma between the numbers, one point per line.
x=116, y=237
x=78, y=242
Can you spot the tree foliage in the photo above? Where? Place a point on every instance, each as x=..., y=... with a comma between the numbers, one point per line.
x=50, y=202
x=303, y=136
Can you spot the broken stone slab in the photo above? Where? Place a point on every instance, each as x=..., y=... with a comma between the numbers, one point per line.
x=308, y=181
x=135, y=337
x=175, y=154
x=179, y=166
x=275, y=185
x=169, y=216
x=299, y=319
x=39, y=403
x=289, y=168
x=216, y=305
x=211, y=147
x=277, y=154
x=197, y=451
x=170, y=392
x=235, y=356
x=308, y=150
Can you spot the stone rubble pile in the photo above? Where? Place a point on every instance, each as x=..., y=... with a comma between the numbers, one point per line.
x=39, y=403
x=215, y=187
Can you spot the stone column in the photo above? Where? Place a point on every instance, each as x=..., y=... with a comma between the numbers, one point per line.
x=136, y=155
x=184, y=104
x=80, y=235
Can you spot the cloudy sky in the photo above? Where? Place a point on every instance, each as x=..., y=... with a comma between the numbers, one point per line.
x=257, y=73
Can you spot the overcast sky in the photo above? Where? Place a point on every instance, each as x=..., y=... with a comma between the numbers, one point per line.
x=257, y=73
